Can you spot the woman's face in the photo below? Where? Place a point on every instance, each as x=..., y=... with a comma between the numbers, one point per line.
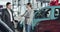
x=28, y=7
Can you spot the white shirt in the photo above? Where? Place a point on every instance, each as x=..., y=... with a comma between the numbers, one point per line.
x=10, y=14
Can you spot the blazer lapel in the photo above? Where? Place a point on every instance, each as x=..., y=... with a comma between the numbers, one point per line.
x=7, y=12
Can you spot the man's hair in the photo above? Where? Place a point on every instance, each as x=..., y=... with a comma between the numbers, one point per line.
x=8, y=3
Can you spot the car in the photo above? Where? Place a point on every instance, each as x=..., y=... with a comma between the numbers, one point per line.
x=4, y=27
x=45, y=13
x=48, y=24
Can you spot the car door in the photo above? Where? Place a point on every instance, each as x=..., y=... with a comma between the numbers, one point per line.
x=40, y=15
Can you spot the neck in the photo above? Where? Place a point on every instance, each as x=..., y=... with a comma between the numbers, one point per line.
x=29, y=8
x=8, y=8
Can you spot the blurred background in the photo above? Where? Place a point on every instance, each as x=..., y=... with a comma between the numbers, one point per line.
x=43, y=9
x=19, y=6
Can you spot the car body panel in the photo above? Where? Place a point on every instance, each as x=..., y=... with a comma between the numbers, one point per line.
x=51, y=17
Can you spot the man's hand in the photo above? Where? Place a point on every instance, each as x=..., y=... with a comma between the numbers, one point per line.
x=22, y=15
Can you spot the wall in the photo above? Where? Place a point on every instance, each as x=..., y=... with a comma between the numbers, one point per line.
x=3, y=2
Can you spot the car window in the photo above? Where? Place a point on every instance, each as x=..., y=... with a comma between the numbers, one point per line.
x=43, y=13
x=56, y=12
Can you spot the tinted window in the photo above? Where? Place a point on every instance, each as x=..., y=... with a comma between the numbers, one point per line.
x=43, y=13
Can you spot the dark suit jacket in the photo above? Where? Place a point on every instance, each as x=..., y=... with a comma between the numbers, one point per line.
x=6, y=18
x=6, y=15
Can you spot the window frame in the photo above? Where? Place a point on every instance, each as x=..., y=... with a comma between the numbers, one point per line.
x=44, y=10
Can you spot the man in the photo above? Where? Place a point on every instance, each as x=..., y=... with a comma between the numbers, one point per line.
x=8, y=16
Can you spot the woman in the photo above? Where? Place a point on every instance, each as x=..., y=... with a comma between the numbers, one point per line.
x=28, y=17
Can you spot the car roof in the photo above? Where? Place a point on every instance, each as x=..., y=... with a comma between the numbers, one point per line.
x=51, y=7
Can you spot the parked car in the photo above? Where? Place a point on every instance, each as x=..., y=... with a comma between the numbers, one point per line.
x=45, y=13
x=48, y=24
x=4, y=27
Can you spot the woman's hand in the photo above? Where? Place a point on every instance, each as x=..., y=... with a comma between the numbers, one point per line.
x=22, y=15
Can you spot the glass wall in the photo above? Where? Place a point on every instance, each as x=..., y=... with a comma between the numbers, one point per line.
x=19, y=6
x=3, y=2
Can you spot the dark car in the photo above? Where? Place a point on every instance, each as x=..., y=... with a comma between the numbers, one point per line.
x=4, y=27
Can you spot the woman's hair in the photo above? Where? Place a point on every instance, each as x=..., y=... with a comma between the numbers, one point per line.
x=29, y=4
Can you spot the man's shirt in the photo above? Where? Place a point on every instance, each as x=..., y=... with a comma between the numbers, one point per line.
x=10, y=14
